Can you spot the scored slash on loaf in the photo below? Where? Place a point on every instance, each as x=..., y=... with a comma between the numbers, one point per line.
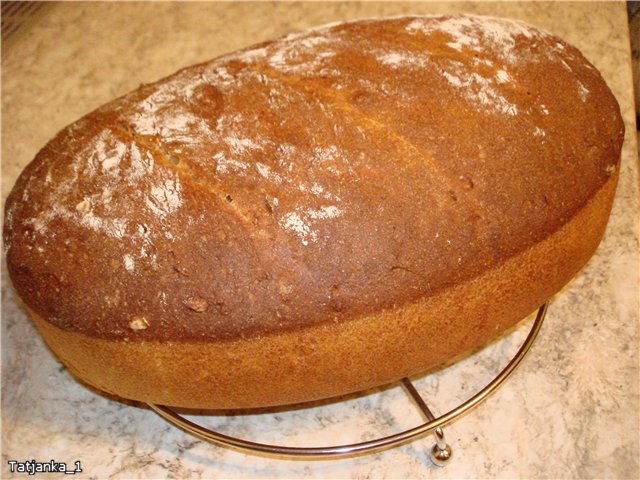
x=319, y=214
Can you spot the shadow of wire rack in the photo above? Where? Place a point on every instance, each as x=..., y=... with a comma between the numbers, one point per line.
x=440, y=454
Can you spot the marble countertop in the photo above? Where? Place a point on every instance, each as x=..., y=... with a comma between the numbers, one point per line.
x=570, y=411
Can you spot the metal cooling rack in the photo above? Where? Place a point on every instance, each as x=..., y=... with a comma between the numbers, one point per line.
x=441, y=452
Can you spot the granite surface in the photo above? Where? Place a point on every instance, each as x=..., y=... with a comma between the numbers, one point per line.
x=570, y=411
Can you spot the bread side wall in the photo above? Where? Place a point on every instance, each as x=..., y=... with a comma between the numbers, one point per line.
x=338, y=358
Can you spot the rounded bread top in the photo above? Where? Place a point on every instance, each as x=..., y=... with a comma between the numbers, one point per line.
x=323, y=176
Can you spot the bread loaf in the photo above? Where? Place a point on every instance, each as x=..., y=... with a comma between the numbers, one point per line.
x=318, y=214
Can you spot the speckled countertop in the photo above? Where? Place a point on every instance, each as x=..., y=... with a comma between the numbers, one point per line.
x=570, y=411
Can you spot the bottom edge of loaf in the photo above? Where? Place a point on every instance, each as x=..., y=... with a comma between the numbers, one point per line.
x=334, y=359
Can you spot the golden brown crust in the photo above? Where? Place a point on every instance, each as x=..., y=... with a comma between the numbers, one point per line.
x=337, y=358
x=318, y=178
x=266, y=227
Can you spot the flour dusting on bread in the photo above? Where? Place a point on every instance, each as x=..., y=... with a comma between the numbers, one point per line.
x=476, y=61
x=477, y=33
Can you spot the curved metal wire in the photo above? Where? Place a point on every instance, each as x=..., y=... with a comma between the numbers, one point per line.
x=369, y=445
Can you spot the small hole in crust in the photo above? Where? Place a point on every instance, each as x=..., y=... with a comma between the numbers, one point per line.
x=271, y=203
x=229, y=198
x=173, y=159
x=196, y=304
x=284, y=289
x=138, y=323
x=609, y=169
x=362, y=98
x=467, y=182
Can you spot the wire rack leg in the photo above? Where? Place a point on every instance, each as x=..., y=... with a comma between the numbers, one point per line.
x=441, y=452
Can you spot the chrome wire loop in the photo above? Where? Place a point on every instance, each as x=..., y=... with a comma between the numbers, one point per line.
x=440, y=453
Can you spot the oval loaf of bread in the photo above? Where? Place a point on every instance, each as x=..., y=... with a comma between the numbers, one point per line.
x=318, y=214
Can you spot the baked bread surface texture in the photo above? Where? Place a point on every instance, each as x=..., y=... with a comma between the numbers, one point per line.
x=292, y=206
